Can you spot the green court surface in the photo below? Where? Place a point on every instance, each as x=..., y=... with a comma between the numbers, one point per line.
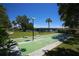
x=38, y=43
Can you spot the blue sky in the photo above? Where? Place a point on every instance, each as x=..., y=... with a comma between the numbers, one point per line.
x=40, y=11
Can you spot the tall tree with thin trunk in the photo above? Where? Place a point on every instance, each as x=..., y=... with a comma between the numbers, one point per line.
x=48, y=20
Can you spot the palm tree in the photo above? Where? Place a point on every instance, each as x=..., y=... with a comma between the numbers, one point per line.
x=48, y=20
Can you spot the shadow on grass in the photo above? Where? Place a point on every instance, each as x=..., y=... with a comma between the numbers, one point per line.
x=61, y=52
x=66, y=40
x=61, y=37
x=27, y=40
x=72, y=41
x=23, y=50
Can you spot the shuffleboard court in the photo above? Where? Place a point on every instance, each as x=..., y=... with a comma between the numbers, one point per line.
x=38, y=43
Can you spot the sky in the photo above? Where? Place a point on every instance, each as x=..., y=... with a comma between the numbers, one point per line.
x=40, y=11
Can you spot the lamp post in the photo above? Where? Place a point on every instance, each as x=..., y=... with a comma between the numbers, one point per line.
x=33, y=28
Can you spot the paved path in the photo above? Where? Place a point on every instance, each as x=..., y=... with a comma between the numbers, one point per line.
x=41, y=51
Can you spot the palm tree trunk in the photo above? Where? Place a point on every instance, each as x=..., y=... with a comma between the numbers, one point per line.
x=48, y=26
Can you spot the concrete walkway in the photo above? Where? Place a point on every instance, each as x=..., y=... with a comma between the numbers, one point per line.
x=42, y=51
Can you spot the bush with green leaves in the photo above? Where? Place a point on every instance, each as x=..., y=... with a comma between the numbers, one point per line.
x=5, y=43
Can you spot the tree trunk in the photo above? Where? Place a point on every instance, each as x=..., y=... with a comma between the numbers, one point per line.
x=48, y=26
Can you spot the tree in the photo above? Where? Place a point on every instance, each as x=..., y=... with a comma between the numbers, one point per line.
x=69, y=14
x=4, y=20
x=14, y=22
x=3, y=42
x=14, y=26
x=48, y=20
x=29, y=26
x=6, y=44
x=23, y=21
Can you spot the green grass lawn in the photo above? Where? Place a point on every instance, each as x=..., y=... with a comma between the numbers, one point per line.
x=35, y=45
x=18, y=34
x=68, y=48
